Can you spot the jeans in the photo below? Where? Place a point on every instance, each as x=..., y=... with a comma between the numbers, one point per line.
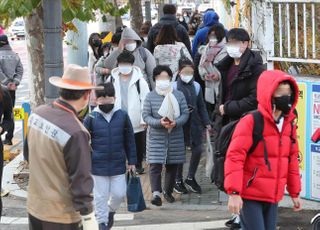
x=108, y=194
x=194, y=163
x=258, y=215
x=36, y=224
x=169, y=180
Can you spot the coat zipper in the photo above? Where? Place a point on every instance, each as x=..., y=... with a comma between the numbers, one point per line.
x=253, y=176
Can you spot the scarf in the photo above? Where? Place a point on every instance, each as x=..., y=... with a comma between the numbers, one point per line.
x=170, y=107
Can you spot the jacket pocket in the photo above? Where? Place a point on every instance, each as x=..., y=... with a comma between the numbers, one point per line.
x=253, y=177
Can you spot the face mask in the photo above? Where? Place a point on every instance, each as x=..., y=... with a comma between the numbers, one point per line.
x=96, y=43
x=106, y=53
x=283, y=103
x=213, y=40
x=131, y=47
x=234, y=51
x=125, y=70
x=181, y=19
x=163, y=84
x=106, y=108
x=186, y=78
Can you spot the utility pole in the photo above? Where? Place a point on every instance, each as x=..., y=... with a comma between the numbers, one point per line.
x=78, y=51
x=53, y=52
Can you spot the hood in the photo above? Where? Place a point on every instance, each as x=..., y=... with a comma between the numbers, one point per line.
x=210, y=18
x=268, y=82
x=129, y=33
x=136, y=74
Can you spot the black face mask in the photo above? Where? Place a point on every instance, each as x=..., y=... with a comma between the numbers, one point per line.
x=283, y=103
x=106, y=108
x=96, y=43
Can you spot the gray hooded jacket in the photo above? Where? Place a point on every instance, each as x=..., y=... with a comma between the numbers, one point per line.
x=11, y=69
x=143, y=58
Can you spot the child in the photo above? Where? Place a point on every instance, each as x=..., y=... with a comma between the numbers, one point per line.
x=193, y=129
x=112, y=142
x=256, y=182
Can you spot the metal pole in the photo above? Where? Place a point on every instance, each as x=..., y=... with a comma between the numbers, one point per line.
x=53, y=53
x=78, y=51
x=147, y=6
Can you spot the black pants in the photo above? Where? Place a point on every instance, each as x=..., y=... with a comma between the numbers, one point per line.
x=1, y=169
x=36, y=224
x=196, y=152
x=169, y=180
x=140, y=139
x=9, y=134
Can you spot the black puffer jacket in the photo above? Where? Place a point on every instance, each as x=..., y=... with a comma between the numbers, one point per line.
x=243, y=87
x=168, y=19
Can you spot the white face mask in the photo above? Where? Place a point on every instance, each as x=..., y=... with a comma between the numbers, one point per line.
x=163, y=84
x=131, y=46
x=125, y=69
x=234, y=51
x=213, y=40
x=186, y=78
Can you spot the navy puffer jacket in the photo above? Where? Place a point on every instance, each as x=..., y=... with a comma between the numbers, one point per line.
x=112, y=143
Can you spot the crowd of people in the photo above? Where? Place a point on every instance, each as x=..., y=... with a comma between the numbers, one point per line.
x=149, y=95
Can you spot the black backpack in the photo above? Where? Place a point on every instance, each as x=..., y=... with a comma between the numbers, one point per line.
x=223, y=141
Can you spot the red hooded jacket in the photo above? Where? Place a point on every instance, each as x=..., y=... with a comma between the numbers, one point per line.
x=249, y=174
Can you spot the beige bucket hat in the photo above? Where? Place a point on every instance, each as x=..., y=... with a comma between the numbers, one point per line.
x=74, y=77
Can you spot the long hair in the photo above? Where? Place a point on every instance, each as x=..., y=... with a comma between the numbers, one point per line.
x=167, y=35
x=99, y=53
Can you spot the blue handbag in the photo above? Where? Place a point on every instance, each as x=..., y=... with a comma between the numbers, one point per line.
x=135, y=199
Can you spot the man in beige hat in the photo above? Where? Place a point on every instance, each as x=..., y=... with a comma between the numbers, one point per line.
x=58, y=151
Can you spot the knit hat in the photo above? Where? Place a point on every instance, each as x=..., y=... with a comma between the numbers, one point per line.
x=4, y=40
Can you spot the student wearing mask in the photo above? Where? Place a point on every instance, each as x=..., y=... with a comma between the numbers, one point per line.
x=131, y=42
x=112, y=143
x=165, y=112
x=239, y=71
x=256, y=182
x=131, y=90
x=194, y=128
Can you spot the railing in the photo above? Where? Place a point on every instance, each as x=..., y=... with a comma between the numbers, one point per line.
x=286, y=30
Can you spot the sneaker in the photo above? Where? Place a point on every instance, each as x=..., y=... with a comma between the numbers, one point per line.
x=7, y=142
x=139, y=170
x=192, y=185
x=156, y=200
x=111, y=219
x=235, y=226
x=233, y=223
x=169, y=198
x=103, y=226
x=180, y=188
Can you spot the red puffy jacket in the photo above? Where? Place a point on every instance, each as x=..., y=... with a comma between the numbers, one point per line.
x=249, y=174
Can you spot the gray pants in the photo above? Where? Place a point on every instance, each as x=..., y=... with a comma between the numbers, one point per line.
x=169, y=180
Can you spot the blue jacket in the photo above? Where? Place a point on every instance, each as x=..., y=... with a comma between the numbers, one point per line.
x=209, y=19
x=112, y=143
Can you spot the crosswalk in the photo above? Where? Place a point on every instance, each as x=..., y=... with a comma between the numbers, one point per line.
x=219, y=224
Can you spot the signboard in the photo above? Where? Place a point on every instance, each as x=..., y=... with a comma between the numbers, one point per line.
x=18, y=114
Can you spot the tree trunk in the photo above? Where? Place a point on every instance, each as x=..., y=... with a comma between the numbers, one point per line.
x=118, y=18
x=35, y=44
x=136, y=14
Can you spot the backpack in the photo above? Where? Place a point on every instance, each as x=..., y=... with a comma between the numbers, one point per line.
x=137, y=83
x=223, y=141
x=196, y=87
x=143, y=53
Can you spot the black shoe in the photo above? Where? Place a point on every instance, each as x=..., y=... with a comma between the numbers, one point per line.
x=180, y=188
x=235, y=226
x=7, y=142
x=169, y=198
x=111, y=219
x=103, y=226
x=233, y=223
x=156, y=200
x=139, y=170
x=192, y=185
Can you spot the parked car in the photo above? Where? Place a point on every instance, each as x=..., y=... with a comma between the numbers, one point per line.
x=17, y=30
